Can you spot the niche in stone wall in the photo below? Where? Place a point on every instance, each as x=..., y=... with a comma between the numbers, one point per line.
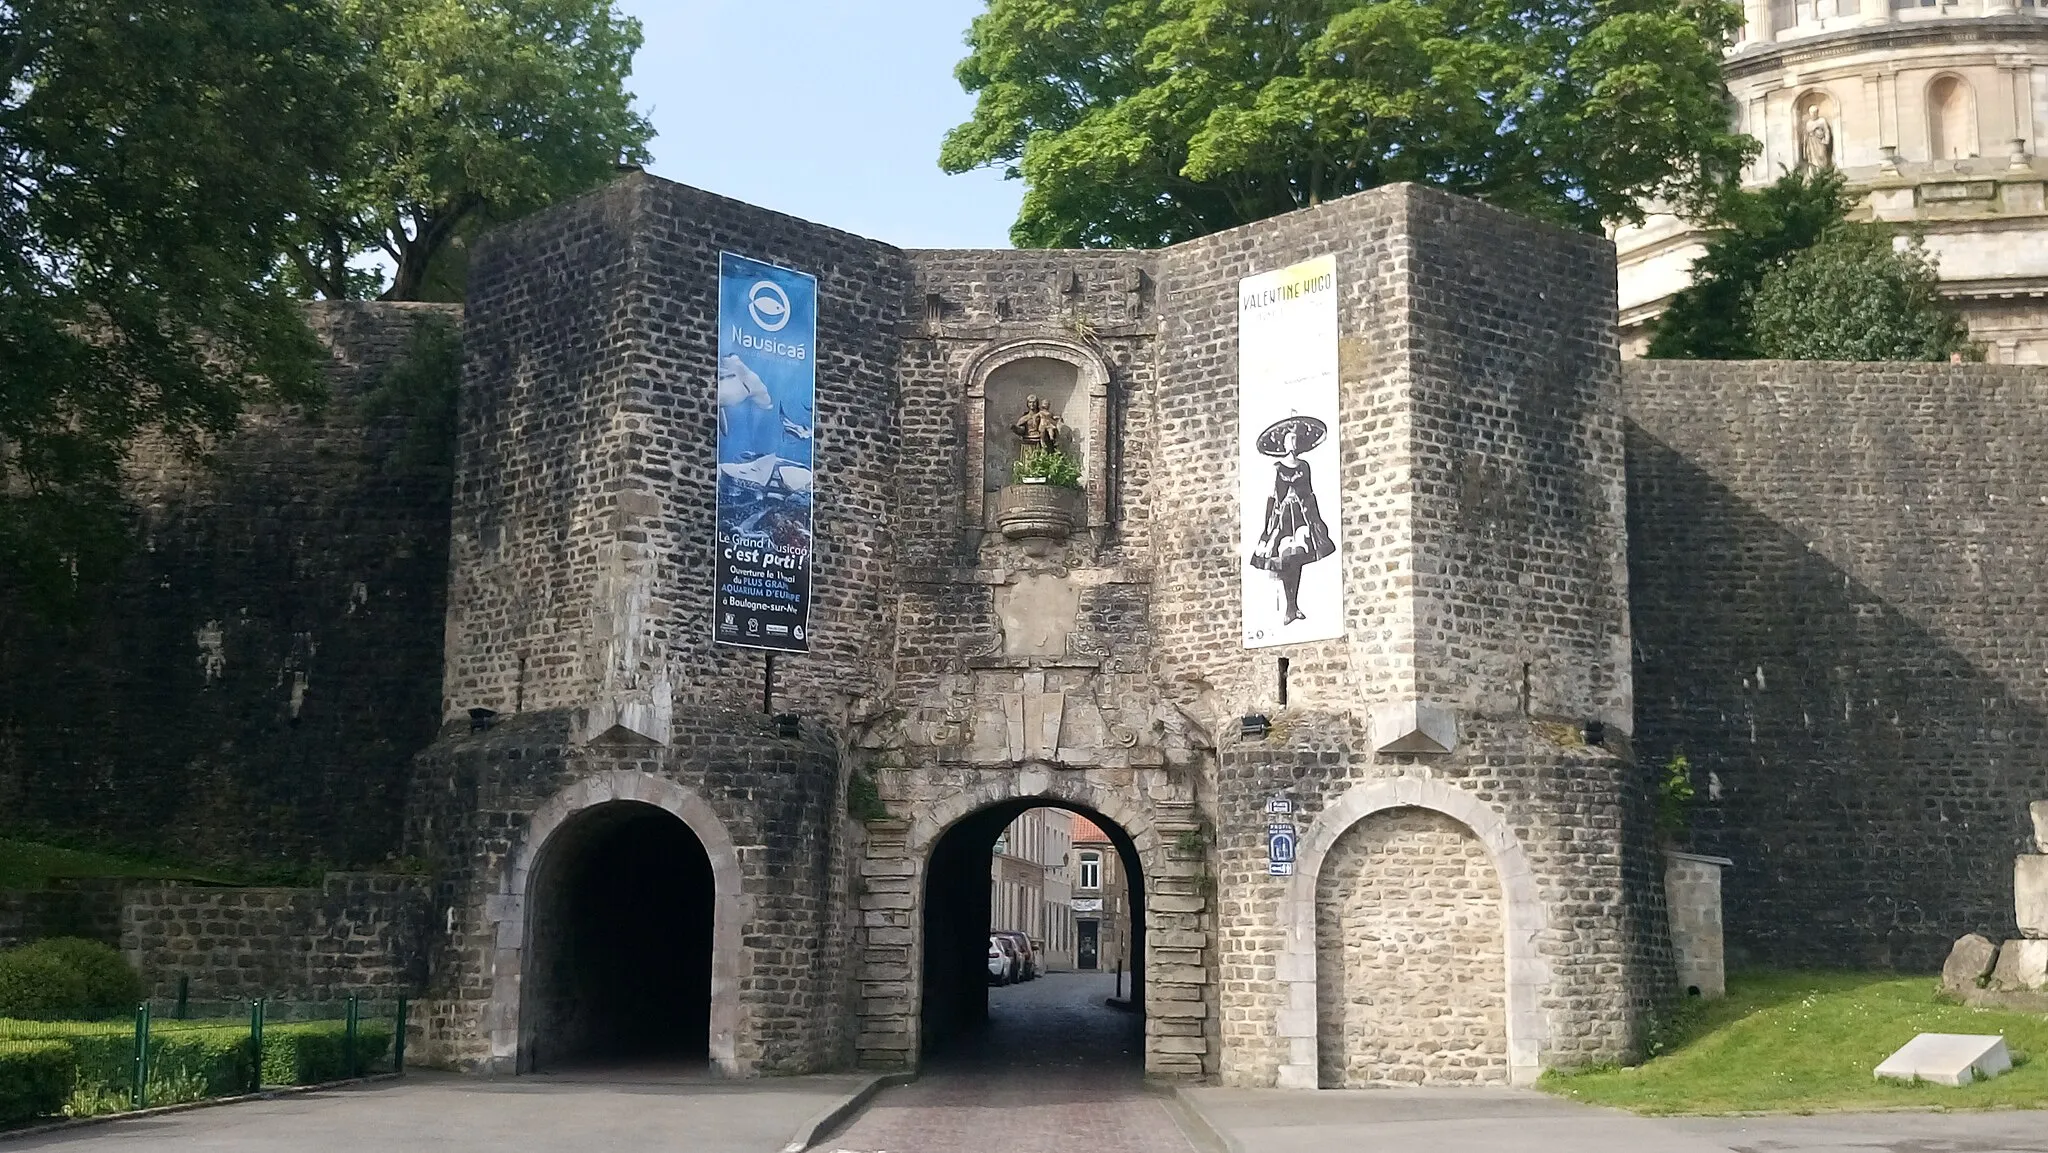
x=1072, y=382
x=1951, y=119
x=1817, y=125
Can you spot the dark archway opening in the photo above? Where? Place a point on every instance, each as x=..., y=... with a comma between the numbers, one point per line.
x=1074, y=1020
x=618, y=961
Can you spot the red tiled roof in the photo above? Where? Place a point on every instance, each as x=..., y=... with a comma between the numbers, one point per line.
x=1086, y=830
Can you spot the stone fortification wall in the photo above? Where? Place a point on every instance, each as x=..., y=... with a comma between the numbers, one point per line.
x=583, y=528
x=487, y=803
x=1836, y=584
x=1484, y=595
x=1022, y=669
x=86, y=907
x=582, y=560
x=256, y=679
x=359, y=934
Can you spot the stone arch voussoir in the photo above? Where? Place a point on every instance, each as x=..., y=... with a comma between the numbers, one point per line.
x=1528, y=975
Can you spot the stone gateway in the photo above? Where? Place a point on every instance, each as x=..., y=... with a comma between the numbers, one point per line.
x=1474, y=867
x=1419, y=839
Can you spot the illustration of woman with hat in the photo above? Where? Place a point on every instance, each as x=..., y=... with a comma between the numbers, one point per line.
x=1295, y=534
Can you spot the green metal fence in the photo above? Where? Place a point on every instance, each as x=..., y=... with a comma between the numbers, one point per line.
x=178, y=1055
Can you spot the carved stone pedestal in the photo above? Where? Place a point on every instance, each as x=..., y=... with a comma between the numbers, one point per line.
x=1038, y=510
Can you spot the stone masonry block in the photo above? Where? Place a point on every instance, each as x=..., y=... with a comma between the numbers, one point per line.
x=1968, y=963
x=2022, y=967
x=2030, y=894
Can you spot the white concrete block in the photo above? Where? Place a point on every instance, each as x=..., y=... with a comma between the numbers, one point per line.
x=1948, y=1059
x=2039, y=811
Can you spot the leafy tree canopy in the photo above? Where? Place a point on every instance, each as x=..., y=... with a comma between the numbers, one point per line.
x=154, y=157
x=478, y=111
x=1755, y=231
x=1786, y=275
x=1145, y=122
x=1855, y=295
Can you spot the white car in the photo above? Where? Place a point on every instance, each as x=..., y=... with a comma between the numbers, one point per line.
x=998, y=963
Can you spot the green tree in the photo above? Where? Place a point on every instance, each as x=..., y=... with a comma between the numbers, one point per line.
x=1144, y=122
x=154, y=156
x=1755, y=231
x=479, y=111
x=1856, y=295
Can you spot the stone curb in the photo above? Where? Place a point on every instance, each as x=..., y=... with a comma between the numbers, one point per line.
x=188, y=1106
x=834, y=1116
x=1195, y=1125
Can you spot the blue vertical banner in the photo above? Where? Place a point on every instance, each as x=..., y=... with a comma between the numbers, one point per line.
x=767, y=393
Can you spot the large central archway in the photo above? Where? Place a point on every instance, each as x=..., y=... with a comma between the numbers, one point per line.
x=957, y=905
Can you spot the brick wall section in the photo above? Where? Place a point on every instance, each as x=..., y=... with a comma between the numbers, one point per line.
x=1481, y=436
x=588, y=456
x=257, y=677
x=1412, y=969
x=89, y=908
x=1692, y=897
x=1836, y=584
x=780, y=800
x=359, y=934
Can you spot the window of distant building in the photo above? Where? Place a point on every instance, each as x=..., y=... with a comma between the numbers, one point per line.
x=1091, y=870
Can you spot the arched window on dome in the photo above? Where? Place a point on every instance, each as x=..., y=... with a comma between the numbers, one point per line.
x=1951, y=119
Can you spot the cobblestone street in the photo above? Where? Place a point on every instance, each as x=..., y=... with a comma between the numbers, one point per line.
x=1056, y=1069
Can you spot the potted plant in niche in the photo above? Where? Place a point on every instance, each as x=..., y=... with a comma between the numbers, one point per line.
x=1044, y=496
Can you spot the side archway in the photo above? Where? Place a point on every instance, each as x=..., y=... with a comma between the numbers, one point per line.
x=508, y=910
x=1527, y=973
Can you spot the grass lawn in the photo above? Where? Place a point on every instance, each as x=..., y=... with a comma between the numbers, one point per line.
x=30, y=865
x=1807, y=1042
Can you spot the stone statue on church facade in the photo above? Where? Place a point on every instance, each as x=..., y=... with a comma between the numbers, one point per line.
x=1816, y=142
x=1039, y=429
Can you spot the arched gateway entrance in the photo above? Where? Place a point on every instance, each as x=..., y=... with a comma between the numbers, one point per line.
x=618, y=931
x=959, y=893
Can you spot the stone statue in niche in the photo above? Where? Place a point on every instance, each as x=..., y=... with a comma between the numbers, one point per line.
x=1816, y=142
x=1039, y=428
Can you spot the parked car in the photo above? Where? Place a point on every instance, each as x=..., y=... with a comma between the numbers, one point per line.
x=1002, y=960
x=1029, y=963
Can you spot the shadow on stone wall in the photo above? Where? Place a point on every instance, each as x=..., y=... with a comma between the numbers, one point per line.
x=1868, y=780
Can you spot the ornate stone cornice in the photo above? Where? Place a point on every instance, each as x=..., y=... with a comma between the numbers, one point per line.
x=1762, y=59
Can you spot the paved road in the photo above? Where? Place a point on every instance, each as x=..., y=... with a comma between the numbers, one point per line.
x=445, y=1113
x=1057, y=1071
x=1521, y=1121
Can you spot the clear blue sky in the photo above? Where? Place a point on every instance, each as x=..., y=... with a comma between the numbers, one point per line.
x=831, y=110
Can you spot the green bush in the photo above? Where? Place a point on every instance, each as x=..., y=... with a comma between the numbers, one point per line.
x=35, y=1079
x=310, y=1052
x=112, y=988
x=1049, y=465
x=186, y=1060
x=39, y=986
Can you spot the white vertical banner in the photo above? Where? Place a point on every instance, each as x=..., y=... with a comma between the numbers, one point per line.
x=1289, y=475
